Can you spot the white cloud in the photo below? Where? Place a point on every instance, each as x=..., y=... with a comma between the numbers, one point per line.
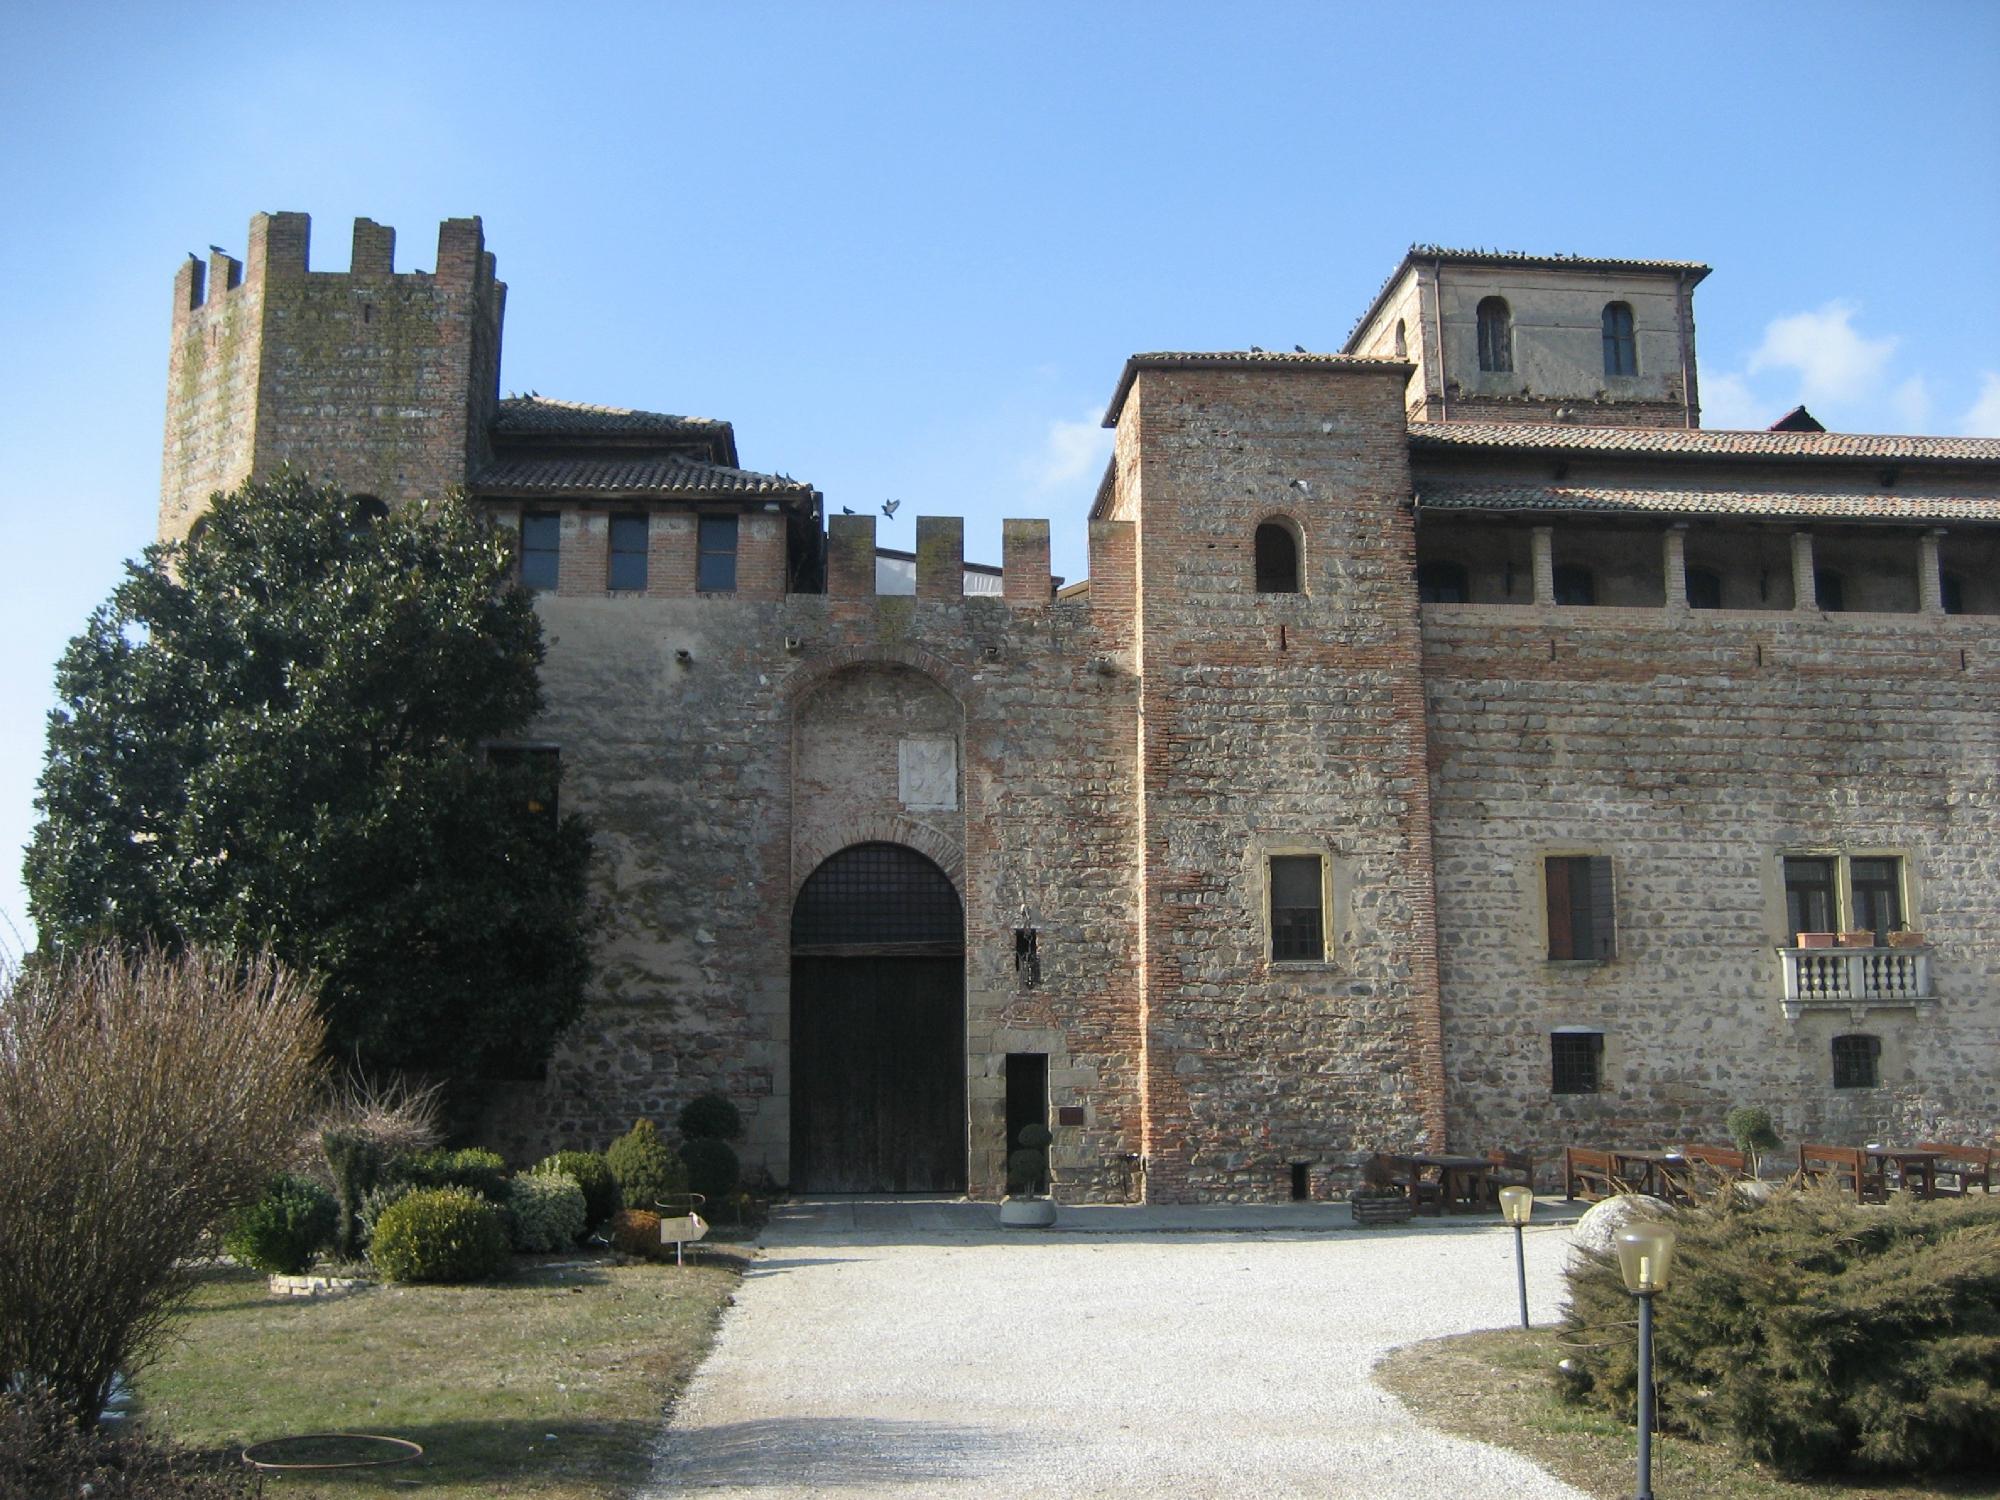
x=1911, y=402
x=1728, y=402
x=1071, y=451
x=1983, y=420
x=1833, y=362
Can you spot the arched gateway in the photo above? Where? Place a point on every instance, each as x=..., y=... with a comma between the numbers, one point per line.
x=878, y=1026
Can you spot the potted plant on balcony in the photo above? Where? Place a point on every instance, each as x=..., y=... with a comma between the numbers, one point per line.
x=1817, y=939
x=1026, y=1206
x=1903, y=937
x=1862, y=939
x=1379, y=1199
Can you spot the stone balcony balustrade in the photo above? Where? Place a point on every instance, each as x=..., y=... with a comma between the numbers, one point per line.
x=1854, y=978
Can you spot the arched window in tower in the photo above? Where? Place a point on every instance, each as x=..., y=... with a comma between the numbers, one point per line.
x=1496, y=335
x=1621, y=351
x=1277, y=558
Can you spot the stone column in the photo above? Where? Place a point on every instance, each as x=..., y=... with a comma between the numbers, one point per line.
x=1805, y=591
x=1930, y=573
x=1675, y=558
x=1545, y=565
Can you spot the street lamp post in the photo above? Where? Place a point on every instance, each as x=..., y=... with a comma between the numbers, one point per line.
x=1516, y=1203
x=1645, y=1254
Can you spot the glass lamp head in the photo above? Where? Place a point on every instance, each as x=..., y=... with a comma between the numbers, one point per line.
x=1516, y=1203
x=1645, y=1255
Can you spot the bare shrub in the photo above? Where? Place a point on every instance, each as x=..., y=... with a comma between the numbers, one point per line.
x=398, y=1115
x=141, y=1098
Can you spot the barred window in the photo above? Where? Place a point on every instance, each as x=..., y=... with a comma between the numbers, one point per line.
x=1576, y=1062
x=879, y=894
x=1298, y=924
x=1857, y=1062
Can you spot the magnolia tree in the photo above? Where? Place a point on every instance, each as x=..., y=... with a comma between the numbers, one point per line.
x=293, y=732
x=141, y=1097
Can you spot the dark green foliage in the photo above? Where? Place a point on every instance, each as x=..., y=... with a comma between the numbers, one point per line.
x=1819, y=1335
x=545, y=1211
x=1028, y=1163
x=440, y=1234
x=285, y=1228
x=593, y=1175
x=273, y=734
x=712, y=1168
x=43, y=1452
x=474, y=1169
x=356, y=1164
x=645, y=1167
x=710, y=1118
x=1750, y=1128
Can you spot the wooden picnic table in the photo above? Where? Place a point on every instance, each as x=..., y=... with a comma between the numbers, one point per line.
x=1916, y=1169
x=1457, y=1183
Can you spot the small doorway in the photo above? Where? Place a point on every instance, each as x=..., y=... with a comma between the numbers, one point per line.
x=1027, y=1104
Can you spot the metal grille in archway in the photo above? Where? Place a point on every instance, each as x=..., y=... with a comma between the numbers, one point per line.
x=878, y=1026
x=880, y=898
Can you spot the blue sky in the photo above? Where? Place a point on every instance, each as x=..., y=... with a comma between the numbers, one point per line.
x=906, y=248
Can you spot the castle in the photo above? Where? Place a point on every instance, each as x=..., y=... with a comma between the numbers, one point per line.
x=1449, y=746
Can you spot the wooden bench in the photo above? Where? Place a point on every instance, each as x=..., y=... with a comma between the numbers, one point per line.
x=1402, y=1172
x=1846, y=1167
x=1590, y=1174
x=1960, y=1169
x=1510, y=1169
x=1725, y=1160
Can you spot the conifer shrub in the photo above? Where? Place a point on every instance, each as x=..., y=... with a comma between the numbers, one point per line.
x=645, y=1167
x=593, y=1175
x=712, y=1169
x=710, y=1117
x=377, y=1199
x=545, y=1211
x=440, y=1234
x=636, y=1231
x=1818, y=1335
x=282, y=1231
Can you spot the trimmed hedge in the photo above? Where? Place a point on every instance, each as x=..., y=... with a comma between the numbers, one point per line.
x=593, y=1175
x=645, y=1166
x=710, y=1117
x=474, y=1169
x=284, y=1229
x=1821, y=1336
x=440, y=1234
x=545, y=1211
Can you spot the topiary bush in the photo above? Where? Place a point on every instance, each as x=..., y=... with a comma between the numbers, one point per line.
x=545, y=1211
x=636, y=1231
x=440, y=1234
x=282, y=1231
x=1028, y=1164
x=1750, y=1128
x=474, y=1169
x=593, y=1175
x=712, y=1169
x=710, y=1118
x=1818, y=1335
x=645, y=1167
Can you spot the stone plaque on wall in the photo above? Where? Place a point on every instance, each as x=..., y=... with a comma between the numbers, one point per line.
x=927, y=774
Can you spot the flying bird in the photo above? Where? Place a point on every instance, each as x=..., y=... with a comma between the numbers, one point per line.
x=889, y=507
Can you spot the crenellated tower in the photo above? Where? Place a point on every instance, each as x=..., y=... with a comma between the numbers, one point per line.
x=381, y=382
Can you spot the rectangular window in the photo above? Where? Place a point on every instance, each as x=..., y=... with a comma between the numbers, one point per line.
x=1809, y=904
x=717, y=547
x=541, y=551
x=534, y=772
x=1298, y=925
x=1580, y=920
x=1576, y=1061
x=1844, y=893
x=1878, y=896
x=628, y=554
x=1857, y=1062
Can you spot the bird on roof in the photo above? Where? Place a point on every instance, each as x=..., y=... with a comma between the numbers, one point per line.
x=889, y=507
x=1256, y=349
x=847, y=510
x=217, y=250
x=1298, y=348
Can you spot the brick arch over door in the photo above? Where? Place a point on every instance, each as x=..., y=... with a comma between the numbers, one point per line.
x=878, y=1025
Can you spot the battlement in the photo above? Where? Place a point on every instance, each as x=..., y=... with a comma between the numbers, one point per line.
x=279, y=253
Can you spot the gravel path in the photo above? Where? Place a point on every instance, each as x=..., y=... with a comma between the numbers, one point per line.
x=901, y=1350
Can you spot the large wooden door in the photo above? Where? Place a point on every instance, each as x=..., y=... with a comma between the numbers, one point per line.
x=878, y=1075
x=878, y=1026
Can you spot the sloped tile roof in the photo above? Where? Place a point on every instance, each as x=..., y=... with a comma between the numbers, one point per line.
x=642, y=474
x=1699, y=442
x=1454, y=494
x=545, y=415
x=1249, y=359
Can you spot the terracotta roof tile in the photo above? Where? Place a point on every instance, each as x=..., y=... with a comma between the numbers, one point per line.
x=1453, y=494
x=640, y=475
x=543, y=414
x=1699, y=442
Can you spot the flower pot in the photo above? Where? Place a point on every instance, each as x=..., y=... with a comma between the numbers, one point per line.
x=1395, y=1210
x=1818, y=939
x=1908, y=940
x=1857, y=940
x=1027, y=1213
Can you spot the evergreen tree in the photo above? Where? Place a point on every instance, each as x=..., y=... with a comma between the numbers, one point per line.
x=274, y=735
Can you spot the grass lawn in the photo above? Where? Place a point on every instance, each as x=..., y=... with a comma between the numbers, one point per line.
x=550, y=1384
x=1496, y=1388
